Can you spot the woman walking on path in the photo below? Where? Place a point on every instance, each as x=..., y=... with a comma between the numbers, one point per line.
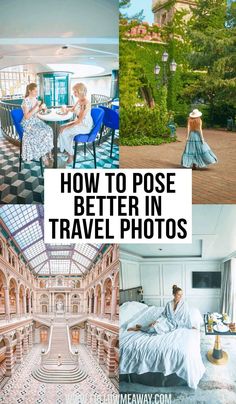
x=197, y=153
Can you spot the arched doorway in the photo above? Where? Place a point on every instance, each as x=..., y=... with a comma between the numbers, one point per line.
x=43, y=335
x=21, y=299
x=44, y=303
x=108, y=295
x=60, y=303
x=92, y=301
x=2, y=293
x=75, y=308
x=44, y=308
x=99, y=299
x=75, y=336
x=27, y=301
x=12, y=295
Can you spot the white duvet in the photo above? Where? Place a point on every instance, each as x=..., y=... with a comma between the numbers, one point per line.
x=175, y=352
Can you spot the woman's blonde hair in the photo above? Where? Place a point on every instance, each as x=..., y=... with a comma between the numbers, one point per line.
x=80, y=88
x=29, y=88
x=194, y=124
x=176, y=289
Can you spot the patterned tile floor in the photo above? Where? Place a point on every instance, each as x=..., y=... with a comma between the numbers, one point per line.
x=28, y=186
x=23, y=388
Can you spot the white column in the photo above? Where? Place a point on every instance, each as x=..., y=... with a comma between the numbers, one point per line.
x=66, y=308
x=24, y=303
x=7, y=302
x=53, y=301
x=50, y=302
x=69, y=302
x=17, y=303
x=103, y=304
x=113, y=302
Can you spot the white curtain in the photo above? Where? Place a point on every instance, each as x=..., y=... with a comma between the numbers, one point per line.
x=228, y=289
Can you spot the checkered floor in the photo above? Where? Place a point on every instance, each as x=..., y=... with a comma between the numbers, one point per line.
x=22, y=388
x=28, y=186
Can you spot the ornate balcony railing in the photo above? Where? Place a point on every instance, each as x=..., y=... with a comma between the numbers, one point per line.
x=6, y=124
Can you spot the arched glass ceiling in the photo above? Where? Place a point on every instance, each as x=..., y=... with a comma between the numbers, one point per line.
x=26, y=225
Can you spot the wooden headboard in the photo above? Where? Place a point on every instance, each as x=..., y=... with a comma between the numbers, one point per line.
x=131, y=295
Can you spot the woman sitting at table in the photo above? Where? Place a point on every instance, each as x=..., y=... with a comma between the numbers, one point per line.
x=38, y=136
x=82, y=124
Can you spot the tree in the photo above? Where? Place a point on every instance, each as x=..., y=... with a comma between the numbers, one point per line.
x=213, y=37
x=124, y=5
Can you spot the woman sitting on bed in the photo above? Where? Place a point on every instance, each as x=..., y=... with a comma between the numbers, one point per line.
x=175, y=315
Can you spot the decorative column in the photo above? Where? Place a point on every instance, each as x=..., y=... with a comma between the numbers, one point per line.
x=30, y=338
x=29, y=303
x=94, y=341
x=89, y=337
x=103, y=303
x=24, y=304
x=113, y=302
x=9, y=361
x=7, y=302
x=25, y=344
x=95, y=303
x=100, y=346
x=90, y=305
x=50, y=302
x=17, y=304
x=53, y=302
x=69, y=302
x=19, y=354
x=111, y=362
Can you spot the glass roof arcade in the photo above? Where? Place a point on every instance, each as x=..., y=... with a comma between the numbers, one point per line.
x=26, y=225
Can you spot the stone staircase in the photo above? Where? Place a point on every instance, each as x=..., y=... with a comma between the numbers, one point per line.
x=59, y=370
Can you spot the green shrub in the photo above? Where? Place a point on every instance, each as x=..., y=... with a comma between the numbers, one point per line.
x=142, y=125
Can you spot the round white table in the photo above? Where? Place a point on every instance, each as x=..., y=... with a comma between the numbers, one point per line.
x=55, y=118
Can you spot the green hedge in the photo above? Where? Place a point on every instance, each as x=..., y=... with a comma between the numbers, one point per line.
x=142, y=125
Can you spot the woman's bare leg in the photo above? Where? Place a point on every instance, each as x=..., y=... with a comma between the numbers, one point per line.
x=136, y=328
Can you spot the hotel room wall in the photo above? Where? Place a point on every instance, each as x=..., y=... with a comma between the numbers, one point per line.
x=95, y=85
x=157, y=278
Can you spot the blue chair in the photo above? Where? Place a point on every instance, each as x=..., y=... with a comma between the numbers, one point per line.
x=111, y=121
x=115, y=107
x=17, y=116
x=97, y=115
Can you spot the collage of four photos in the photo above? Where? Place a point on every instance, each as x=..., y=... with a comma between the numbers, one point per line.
x=117, y=84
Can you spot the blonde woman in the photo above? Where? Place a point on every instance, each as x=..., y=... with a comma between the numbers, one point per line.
x=197, y=153
x=38, y=136
x=175, y=315
x=82, y=124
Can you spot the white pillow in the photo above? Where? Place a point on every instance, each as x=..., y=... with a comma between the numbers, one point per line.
x=130, y=309
x=196, y=317
x=147, y=317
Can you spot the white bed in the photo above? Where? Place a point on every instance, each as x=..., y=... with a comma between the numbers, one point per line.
x=175, y=352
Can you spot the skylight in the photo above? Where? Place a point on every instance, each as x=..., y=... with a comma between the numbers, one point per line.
x=26, y=226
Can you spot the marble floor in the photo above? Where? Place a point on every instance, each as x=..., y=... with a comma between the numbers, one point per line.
x=23, y=388
x=217, y=386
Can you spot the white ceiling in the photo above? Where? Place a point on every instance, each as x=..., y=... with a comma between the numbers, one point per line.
x=214, y=236
x=34, y=33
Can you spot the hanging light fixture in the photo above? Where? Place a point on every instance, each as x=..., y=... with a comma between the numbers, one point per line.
x=157, y=70
x=173, y=66
x=165, y=57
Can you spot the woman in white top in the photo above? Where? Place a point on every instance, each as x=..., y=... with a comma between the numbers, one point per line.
x=82, y=124
x=38, y=136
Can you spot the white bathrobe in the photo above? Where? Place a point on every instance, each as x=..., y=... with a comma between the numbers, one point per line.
x=170, y=319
